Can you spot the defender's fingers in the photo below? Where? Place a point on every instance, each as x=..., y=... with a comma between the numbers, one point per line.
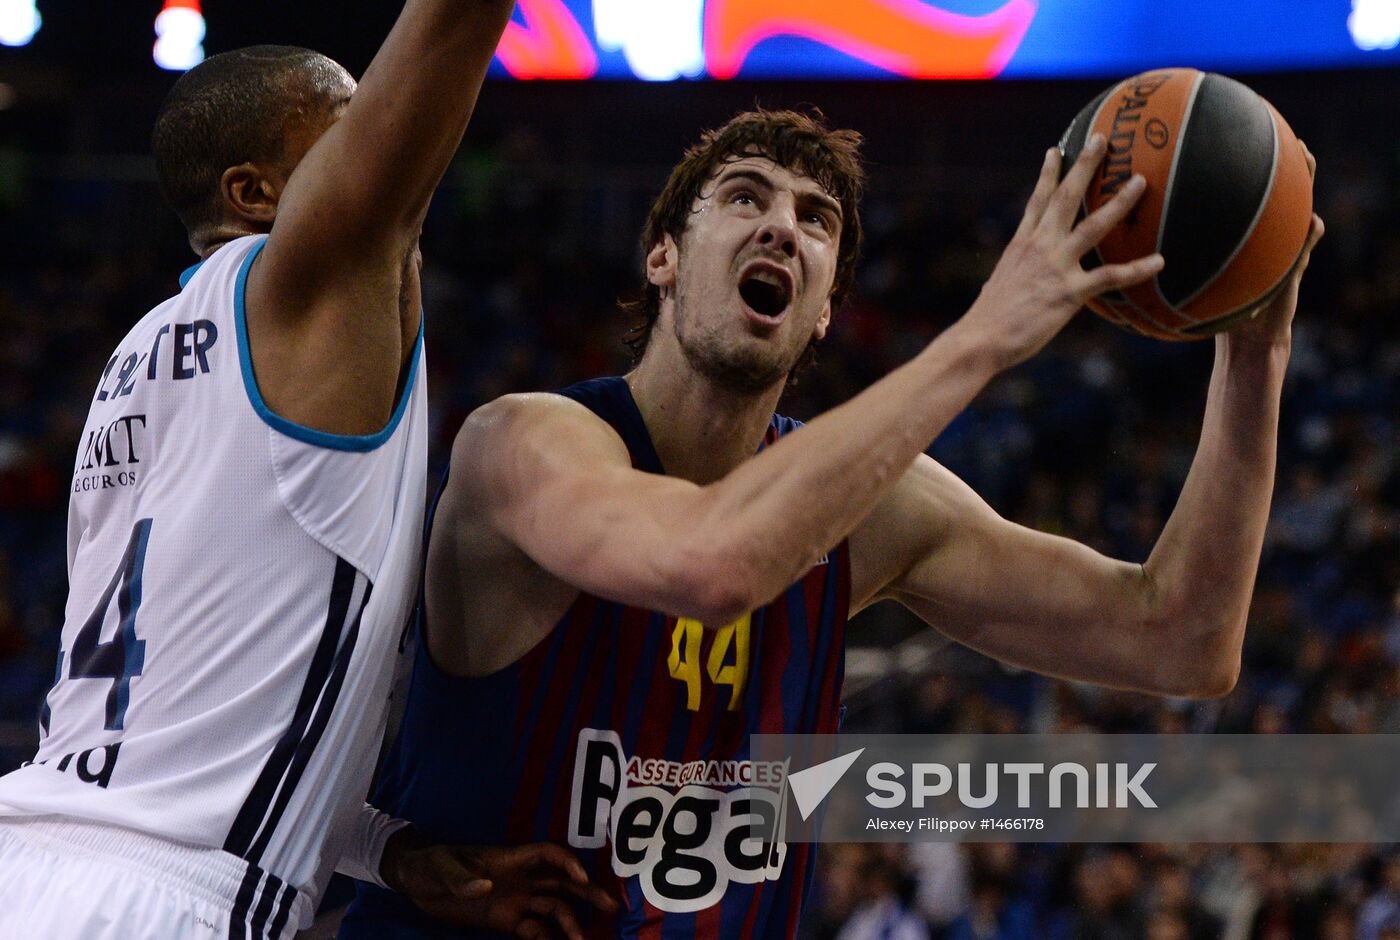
x=1092, y=230
x=1069, y=195
x=557, y=911
x=472, y=890
x=587, y=893
x=549, y=855
x=529, y=929
x=601, y=899
x=457, y=876
x=1044, y=189
x=1311, y=160
x=1117, y=276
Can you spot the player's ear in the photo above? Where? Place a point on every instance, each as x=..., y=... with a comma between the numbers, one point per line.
x=661, y=263
x=824, y=321
x=249, y=193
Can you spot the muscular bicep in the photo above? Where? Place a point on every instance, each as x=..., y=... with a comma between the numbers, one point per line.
x=1024, y=597
x=555, y=481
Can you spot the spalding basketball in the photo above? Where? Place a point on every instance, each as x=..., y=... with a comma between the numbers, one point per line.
x=1228, y=200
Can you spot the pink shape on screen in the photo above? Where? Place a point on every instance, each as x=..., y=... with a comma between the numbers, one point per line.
x=906, y=37
x=550, y=45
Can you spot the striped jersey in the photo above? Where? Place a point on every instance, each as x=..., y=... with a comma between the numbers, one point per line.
x=624, y=735
x=237, y=587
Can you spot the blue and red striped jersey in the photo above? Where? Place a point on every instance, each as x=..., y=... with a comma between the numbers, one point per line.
x=624, y=734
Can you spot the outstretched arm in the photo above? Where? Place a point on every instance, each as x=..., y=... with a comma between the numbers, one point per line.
x=332, y=301
x=718, y=551
x=1174, y=625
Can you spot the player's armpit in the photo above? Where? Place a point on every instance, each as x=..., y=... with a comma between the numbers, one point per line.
x=556, y=481
x=1034, y=600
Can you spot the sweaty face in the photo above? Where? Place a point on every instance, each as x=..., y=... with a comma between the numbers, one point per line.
x=753, y=273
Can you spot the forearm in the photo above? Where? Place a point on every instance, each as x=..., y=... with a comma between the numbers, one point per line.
x=775, y=515
x=377, y=168
x=714, y=552
x=422, y=87
x=814, y=489
x=1202, y=569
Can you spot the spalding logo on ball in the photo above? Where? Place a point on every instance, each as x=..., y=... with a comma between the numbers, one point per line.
x=1228, y=200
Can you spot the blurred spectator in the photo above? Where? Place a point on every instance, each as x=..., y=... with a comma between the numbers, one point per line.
x=884, y=912
x=997, y=910
x=1382, y=910
x=1105, y=904
x=942, y=877
x=1175, y=909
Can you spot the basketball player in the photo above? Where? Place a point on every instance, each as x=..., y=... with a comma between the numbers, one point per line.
x=627, y=579
x=247, y=508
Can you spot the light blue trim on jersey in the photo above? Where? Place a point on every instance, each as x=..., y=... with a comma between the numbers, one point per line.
x=359, y=444
x=188, y=274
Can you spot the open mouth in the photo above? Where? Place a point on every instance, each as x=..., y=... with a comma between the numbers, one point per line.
x=766, y=291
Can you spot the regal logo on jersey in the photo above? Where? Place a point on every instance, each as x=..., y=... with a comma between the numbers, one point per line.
x=684, y=829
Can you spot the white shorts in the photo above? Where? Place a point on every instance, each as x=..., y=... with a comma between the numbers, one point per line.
x=62, y=879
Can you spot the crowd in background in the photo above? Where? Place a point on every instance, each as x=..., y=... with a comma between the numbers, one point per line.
x=1091, y=439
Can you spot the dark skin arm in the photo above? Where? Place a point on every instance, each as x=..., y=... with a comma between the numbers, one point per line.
x=333, y=300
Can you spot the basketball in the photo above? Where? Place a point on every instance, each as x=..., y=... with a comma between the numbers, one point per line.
x=1228, y=200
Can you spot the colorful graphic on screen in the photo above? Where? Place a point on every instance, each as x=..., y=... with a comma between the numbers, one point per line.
x=664, y=40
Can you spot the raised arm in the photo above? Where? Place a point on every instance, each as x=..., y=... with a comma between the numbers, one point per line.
x=718, y=551
x=1174, y=625
x=333, y=300
x=361, y=192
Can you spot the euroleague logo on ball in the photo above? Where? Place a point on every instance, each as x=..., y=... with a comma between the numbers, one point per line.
x=1155, y=133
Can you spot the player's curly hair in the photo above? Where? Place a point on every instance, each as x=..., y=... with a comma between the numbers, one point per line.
x=800, y=142
x=234, y=108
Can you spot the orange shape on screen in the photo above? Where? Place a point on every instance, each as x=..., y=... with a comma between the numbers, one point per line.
x=906, y=37
x=551, y=44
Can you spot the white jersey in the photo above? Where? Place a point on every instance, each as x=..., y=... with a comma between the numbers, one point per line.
x=237, y=588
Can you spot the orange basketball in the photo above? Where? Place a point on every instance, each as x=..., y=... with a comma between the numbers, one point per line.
x=1228, y=200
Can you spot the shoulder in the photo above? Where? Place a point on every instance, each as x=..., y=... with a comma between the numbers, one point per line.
x=517, y=435
x=528, y=416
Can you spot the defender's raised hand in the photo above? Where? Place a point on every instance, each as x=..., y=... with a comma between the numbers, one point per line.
x=1039, y=283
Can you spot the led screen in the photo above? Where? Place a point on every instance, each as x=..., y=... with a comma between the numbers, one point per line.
x=662, y=40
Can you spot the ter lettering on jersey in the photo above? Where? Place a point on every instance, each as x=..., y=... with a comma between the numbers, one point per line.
x=685, y=830
x=188, y=354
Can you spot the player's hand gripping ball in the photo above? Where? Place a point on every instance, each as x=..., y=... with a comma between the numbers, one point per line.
x=1228, y=200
